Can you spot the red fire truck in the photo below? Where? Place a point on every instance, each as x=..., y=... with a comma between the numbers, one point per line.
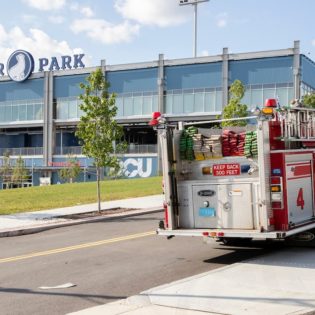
x=253, y=182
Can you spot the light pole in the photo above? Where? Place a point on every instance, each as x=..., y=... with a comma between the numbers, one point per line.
x=195, y=4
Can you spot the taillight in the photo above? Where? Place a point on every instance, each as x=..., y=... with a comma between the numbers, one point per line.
x=276, y=192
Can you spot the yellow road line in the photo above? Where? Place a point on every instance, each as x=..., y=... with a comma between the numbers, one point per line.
x=75, y=247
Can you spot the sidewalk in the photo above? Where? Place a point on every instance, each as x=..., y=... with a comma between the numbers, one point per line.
x=280, y=283
x=31, y=222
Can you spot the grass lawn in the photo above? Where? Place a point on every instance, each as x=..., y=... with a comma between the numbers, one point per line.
x=63, y=195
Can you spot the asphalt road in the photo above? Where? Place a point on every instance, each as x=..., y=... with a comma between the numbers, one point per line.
x=107, y=260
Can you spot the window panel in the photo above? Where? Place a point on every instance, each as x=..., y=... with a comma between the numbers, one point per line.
x=210, y=102
x=188, y=103
x=268, y=93
x=2, y=113
x=120, y=103
x=72, y=109
x=128, y=103
x=177, y=104
x=137, y=105
x=168, y=103
x=199, y=102
x=155, y=105
x=38, y=112
x=257, y=99
x=22, y=112
x=147, y=105
x=282, y=94
x=8, y=113
x=30, y=112
x=218, y=101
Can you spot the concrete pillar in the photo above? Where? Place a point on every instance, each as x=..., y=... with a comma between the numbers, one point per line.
x=161, y=104
x=296, y=70
x=48, y=130
x=225, y=77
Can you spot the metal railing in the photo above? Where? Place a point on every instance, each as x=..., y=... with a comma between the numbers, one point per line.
x=22, y=151
x=75, y=150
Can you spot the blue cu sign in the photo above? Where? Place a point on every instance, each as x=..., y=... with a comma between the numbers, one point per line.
x=20, y=65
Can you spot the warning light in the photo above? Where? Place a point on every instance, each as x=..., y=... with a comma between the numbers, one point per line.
x=275, y=188
x=267, y=111
x=155, y=119
x=207, y=170
x=271, y=102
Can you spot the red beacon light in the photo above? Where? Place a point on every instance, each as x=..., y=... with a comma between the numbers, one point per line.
x=271, y=102
x=155, y=119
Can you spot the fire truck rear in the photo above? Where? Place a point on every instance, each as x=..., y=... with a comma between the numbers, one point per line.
x=240, y=182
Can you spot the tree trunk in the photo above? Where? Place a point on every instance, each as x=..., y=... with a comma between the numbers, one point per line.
x=98, y=189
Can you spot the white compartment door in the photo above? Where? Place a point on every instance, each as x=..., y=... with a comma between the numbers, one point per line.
x=205, y=203
x=236, y=206
x=299, y=191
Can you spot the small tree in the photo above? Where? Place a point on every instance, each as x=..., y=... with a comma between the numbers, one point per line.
x=6, y=169
x=234, y=109
x=98, y=129
x=71, y=171
x=308, y=100
x=20, y=173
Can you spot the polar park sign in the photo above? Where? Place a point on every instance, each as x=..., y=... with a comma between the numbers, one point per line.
x=20, y=64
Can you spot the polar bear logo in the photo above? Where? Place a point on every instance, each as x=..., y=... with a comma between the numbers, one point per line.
x=17, y=72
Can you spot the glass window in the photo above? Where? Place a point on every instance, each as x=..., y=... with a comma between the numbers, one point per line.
x=177, y=104
x=38, y=114
x=2, y=113
x=188, y=103
x=246, y=98
x=62, y=109
x=168, y=103
x=73, y=106
x=218, y=101
x=128, y=103
x=8, y=113
x=22, y=113
x=137, y=105
x=147, y=105
x=15, y=112
x=155, y=105
x=257, y=98
x=199, y=102
x=30, y=112
x=210, y=102
x=120, y=109
x=282, y=94
x=269, y=93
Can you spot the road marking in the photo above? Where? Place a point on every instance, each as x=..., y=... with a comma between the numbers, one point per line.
x=75, y=247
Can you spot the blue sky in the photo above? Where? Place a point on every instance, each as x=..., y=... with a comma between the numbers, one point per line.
x=125, y=31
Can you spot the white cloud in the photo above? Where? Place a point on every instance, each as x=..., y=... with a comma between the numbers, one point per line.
x=56, y=19
x=313, y=41
x=46, y=5
x=222, y=20
x=37, y=42
x=87, y=12
x=105, y=32
x=162, y=13
x=204, y=53
x=84, y=10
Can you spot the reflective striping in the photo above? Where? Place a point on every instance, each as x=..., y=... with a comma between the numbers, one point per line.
x=76, y=247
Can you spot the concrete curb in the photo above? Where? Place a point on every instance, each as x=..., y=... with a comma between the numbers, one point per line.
x=42, y=227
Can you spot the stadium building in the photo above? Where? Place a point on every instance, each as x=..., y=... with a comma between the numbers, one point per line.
x=39, y=108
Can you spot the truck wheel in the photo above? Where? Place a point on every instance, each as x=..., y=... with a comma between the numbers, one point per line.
x=303, y=239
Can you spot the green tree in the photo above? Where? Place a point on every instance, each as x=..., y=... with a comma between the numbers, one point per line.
x=71, y=170
x=308, y=100
x=20, y=173
x=234, y=109
x=98, y=130
x=6, y=169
